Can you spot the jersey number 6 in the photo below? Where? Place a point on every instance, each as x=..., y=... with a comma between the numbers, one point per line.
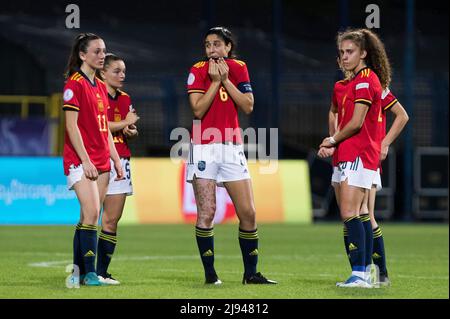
x=223, y=94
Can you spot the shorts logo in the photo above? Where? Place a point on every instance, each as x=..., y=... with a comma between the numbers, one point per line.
x=241, y=154
x=68, y=95
x=201, y=166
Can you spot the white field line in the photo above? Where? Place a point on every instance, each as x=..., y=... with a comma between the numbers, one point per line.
x=62, y=263
x=50, y=264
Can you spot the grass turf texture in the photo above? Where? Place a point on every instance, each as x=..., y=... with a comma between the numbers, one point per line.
x=162, y=261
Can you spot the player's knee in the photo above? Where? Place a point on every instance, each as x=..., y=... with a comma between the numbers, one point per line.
x=110, y=224
x=205, y=219
x=248, y=216
x=90, y=217
x=345, y=214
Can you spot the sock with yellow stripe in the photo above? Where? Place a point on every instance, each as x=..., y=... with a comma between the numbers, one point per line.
x=248, y=240
x=205, y=243
x=356, y=246
x=77, y=257
x=378, y=254
x=347, y=251
x=106, y=244
x=365, y=219
x=88, y=246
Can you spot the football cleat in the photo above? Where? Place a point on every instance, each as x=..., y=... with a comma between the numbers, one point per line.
x=354, y=282
x=108, y=280
x=258, y=278
x=212, y=280
x=91, y=279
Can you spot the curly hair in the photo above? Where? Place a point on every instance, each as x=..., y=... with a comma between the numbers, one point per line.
x=376, y=58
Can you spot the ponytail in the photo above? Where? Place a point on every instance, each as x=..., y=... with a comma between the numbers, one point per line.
x=80, y=44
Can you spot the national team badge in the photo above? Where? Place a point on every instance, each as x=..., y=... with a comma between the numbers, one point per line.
x=100, y=105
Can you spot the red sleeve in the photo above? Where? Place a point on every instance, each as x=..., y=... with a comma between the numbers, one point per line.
x=196, y=81
x=334, y=98
x=243, y=73
x=128, y=103
x=71, y=96
x=239, y=69
x=364, y=88
x=388, y=100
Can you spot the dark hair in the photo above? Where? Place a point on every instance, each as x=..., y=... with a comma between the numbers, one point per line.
x=109, y=58
x=80, y=44
x=376, y=58
x=226, y=36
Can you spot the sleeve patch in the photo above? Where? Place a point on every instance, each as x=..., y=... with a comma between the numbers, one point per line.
x=363, y=85
x=68, y=95
x=191, y=79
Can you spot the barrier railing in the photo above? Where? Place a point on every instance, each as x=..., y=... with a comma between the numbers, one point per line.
x=52, y=109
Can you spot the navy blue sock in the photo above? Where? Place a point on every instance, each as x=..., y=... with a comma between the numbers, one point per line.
x=205, y=243
x=77, y=258
x=365, y=219
x=356, y=246
x=248, y=240
x=379, y=256
x=88, y=245
x=347, y=251
x=106, y=244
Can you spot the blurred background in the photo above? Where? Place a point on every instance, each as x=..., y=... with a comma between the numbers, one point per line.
x=289, y=48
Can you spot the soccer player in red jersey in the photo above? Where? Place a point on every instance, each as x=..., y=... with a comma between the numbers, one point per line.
x=359, y=139
x=121, y=121
x=217, y=88
x=88, y=147
x=388, y=102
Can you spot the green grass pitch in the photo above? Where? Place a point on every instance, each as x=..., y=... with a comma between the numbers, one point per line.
x=161, y=261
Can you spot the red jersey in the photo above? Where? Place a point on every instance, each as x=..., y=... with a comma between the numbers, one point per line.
x=364, y=88
x=388, y=100
x=338, y=98
x=119, y=106
x=90, y=100
x=223, y=112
